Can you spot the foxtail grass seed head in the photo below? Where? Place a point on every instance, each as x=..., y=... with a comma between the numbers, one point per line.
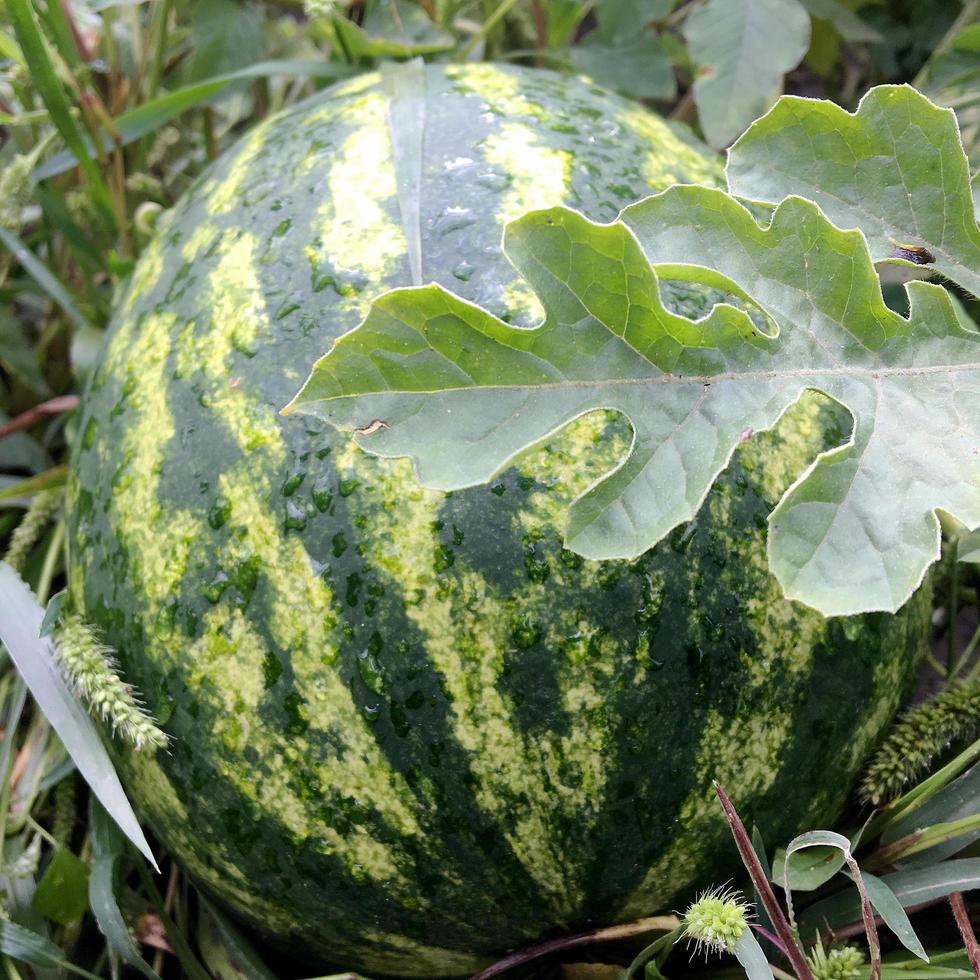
x=322, y=9
x=43, y=507
x=16, y=187
x=92, y=671
x=919, y=738
x=840, y=963
x=716, y=920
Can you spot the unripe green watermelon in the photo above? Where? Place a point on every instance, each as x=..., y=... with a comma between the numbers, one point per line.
x=410, y=731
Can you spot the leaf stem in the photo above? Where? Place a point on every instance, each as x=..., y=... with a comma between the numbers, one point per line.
x=963, y=923
x=766, y=895
x=666, y=923
x=488, y=25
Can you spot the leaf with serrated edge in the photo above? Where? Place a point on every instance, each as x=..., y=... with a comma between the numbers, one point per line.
x=463, y=393
x=895, y=169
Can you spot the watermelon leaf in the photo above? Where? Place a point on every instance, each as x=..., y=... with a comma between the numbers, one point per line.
x=432, y=377
x=895, y=169
x=742, y=49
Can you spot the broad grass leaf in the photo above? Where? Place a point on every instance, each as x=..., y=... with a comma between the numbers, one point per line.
x=753, y=960
x=742, y=49
x=151, y=115
x=40, y=273
x=437, y=379
x=911, y=888
x=20, y=623
x=226, y=952
x=953, y=802
x=25, y=945
x=887, y=905
x=107, y=850
x=895, y=169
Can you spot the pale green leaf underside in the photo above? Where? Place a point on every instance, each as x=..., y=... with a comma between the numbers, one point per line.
x=742, y=49
x=896, y=169
x=463, y=393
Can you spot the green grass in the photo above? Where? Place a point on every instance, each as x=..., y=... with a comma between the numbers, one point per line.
x=108, y=111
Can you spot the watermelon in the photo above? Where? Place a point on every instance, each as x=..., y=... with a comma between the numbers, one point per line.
x=410, y=731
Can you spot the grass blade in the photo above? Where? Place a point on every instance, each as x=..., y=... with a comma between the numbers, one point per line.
x=152, y=115
x=912, y=888
x=46, y=82
x=39, y=272
x=107, y=849
x=749, y=953
x=20, y=622
x=890, y=909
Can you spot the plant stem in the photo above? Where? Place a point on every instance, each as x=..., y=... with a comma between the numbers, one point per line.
x=966, y=930
x=766, y=895
x=954, y=587
x=665, y=923
x=489, y=24
x=969, y=13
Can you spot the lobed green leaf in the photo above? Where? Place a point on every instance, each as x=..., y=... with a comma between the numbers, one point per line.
x=432, y=377
x=895, y=169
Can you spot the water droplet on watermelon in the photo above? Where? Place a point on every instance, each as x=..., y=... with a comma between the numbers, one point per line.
x=464, y=271
x=347, y=487
x=525, y=634
x=453, y=219
x=372, y=674
x=371, y=711
x=219, y=512
x=322, y=496
x=295, y=517
x=213, y=590
x=292, y=483
x=88, y=439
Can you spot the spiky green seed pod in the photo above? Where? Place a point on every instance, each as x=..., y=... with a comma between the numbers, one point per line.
x=321, y=9
x=716, y=920
x=841, y=963
x=145, y=185
x=92, y=671
x=26, y=534
x=16, y=187
x=918, y=738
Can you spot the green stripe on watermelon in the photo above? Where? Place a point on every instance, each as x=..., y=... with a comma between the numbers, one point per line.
x=409, y=729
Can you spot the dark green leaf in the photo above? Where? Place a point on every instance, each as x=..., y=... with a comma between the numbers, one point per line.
x=62, y=892
x=848, y=24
